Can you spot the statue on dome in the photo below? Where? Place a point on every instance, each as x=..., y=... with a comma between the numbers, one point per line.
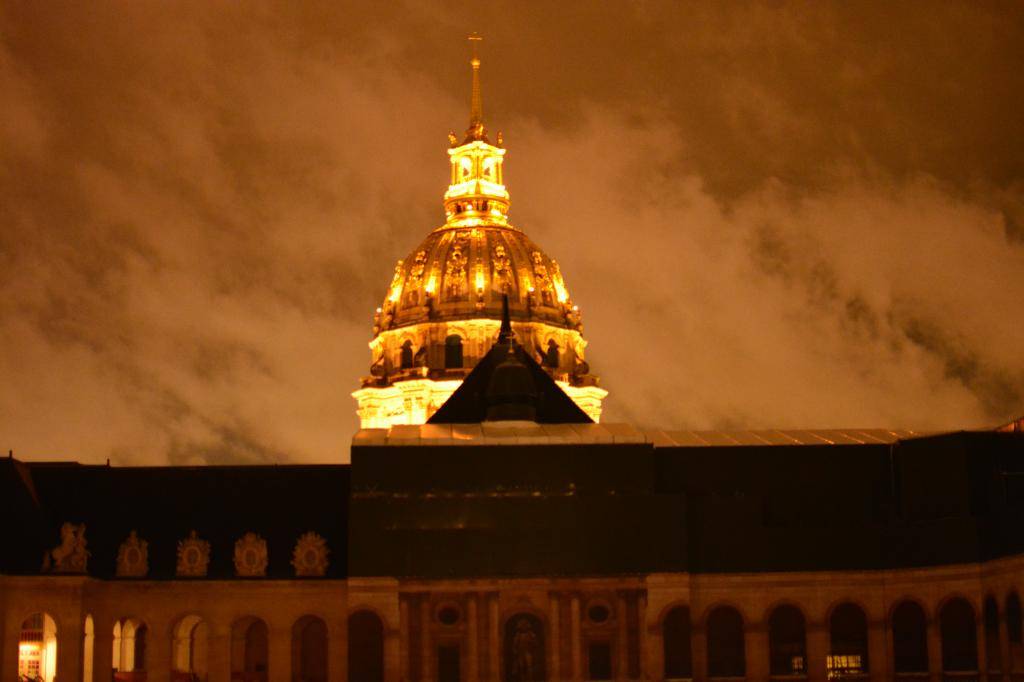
x=455, y=270
x=541, y=279
x=502, y=278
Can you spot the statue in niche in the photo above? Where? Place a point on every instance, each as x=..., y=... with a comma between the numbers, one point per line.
x=502, y=278
x=524, y=649
x=70, y=556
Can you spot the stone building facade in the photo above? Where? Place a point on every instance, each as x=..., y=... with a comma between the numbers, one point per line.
x=612, y=553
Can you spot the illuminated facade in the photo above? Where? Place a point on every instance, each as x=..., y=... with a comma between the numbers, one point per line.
x=442, y=309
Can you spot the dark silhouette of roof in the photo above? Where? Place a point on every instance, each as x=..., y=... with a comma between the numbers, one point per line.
x=163, y=504
x=479, y=397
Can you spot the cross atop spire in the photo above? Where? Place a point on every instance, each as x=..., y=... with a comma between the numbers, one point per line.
x=476, y=104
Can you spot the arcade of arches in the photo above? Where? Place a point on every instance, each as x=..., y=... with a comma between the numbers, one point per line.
x=937, y=624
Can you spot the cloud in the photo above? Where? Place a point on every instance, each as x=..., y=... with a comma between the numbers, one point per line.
x=200, y=209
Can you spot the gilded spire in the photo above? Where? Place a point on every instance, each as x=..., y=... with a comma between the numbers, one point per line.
x=476, y=105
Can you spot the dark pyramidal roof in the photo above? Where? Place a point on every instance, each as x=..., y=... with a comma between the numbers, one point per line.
x=497, y=377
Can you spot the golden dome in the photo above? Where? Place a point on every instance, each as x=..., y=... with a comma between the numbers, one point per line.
x=460, y=273
x=443, y=307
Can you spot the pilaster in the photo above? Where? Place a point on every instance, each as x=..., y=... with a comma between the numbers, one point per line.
x=575, y=638
x=279, y=653
x=472, y=640
x=817, y=651
x=622, y=637
x=755, y=648
x=554, y=638
x=878, y=662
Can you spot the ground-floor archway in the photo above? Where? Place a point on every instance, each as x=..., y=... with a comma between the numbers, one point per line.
x=188, y=650
x=365, y=647
x=309, y=650
x=249, y=650
x=129, y=653
x=37, y=648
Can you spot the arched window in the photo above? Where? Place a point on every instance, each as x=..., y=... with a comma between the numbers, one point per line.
x=309, y=650
x=188, y=650
x=88, y=642
x=524, y=648
x=848, y=636
x=959, y=636
x=249, y=650
x=37, y=648
x=365, y=647
x=130, y=636
x=909, y=638
x=787, y=641
x=453, y=351
x=726, y=655
x=1015, y=632
x=405, y=359
x=990, y=615
x=676, y=641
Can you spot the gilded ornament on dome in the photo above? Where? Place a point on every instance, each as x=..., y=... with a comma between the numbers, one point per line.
x=310, y=556
x=455, y=268
x=250, y=556
x=542, y=282
x=133, y=557
x=70, y=556
x=415, y=281
x=502, y=279
x=193, y=556
x=395, y=288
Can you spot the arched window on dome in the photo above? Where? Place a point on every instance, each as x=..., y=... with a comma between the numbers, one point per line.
x=406, y=356
x=453, y=351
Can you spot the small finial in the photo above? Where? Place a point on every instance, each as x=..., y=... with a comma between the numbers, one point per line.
x=10, y=454
x=506, y=333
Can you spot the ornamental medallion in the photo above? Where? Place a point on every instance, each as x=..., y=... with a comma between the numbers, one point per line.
x=133, y=557
x=251, y=556
x=193, y=556
x=310, y=556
